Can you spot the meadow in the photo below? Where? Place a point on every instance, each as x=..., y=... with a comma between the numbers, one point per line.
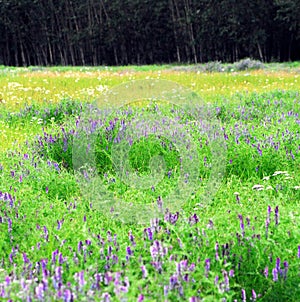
x=235, y=236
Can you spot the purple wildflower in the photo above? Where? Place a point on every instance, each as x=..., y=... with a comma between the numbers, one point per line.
x=276, y=215
x=39, y=291
x=67, y=295
x=254, y=296
x=193, y=219
x=207, y=267
x=242, y=226
x=286, y=266
x=275, y=274
x=298, y=251
x=144, y=271
x=266, y=272
x=173, y=281
x=244, y=295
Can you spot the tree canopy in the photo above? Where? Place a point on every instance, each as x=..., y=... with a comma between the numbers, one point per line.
x=114, y=32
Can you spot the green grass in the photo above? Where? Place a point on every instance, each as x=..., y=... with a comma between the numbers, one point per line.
x=51, y=213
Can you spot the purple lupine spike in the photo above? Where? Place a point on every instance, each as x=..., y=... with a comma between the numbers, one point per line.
x=81, y=279
x=54, y=255
x=58, y=273
x=88, y=242
x=67, y=295
x=61, y=259
x=144, y=271
x=46, y=234
x=207, y=266
x=159, y=203
x=149, y=233
x=9, y=221
x=131, y=238
x=128, y=252
x=193, y=219
x=173, y=281
x=278, y=264
x=166, y=290
x=25, y=259
x=244, y=295
x=106, y=297
x=226, y=281
x=39, y=291
x=7, y=280
x=242, y=226
x=216, y=280
x=79, y=246
x=276, y=215
x=275, y=274
x=269, y=211
x=286, y=266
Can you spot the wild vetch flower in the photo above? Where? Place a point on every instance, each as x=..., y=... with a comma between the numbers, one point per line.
x=298, y=251
x=193, y=219
x=39, y=291
x=79, y=246
x=67, y=295
x=9, y=221
x=46, y=234
x=275, y=274
x=131, y=238
x=149, y=233
x=226, y=281
x=286, y=266
x=207, y=267
x=173, y=281
x=276, y=215
x=278, y=264
x=144, y=271
x=25, y=259
x=242, y=224
x=128, y=252
x=254, y=296
x=54, y=255
x=237, y=197
x=160, y=203
x=244, y=295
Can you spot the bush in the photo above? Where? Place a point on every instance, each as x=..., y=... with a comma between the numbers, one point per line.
x=248, y=63
x=215, y=66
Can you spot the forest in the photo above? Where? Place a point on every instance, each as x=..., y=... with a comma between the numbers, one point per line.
x=114, y=32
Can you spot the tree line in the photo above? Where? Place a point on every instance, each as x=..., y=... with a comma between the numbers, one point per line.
x=115, y=32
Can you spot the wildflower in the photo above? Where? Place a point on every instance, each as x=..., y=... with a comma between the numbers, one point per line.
x=275, y=274
x=193, y=219
x=244, y=295
x=207, y=267
x=286, y=266
x=242, y=224
x=254, y=296
x=266, y=272
x=144, y=271
x=276, y=215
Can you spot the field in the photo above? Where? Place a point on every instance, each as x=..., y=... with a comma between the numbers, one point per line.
x=79, y=198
